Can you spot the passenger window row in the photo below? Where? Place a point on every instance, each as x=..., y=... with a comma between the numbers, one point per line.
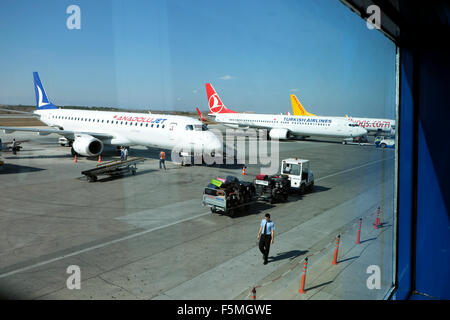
x=108, y=121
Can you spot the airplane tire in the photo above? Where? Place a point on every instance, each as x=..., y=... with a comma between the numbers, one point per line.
x=302, y=189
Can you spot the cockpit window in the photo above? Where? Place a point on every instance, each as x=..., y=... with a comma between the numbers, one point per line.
x=189, y=127
x=200, y=127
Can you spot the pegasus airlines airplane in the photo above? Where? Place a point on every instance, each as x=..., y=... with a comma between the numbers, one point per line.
x=89, y=131
x=372, y=125
x=282, y=126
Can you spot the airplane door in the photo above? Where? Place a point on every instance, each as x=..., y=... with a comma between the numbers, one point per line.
x=172, y=130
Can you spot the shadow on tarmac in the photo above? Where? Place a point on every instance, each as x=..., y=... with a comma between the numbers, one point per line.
x=319, y=285
x=368, y=240
x=296, y=196
x=61, y=156
x=348, y=259
x=252, y=210
x=115, y=177
x=288, y=255
x=14, y=168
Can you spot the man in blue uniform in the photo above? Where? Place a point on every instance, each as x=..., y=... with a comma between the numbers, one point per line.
x=266, y=236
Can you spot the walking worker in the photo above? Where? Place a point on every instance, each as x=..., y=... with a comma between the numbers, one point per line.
x=266, y=236
x=14, y=146
x=125, y=153
x=121, y=153
x=162, y=160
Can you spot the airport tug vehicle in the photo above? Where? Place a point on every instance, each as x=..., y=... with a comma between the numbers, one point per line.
x=231, y=194
x=298, y=173
x=382, y=142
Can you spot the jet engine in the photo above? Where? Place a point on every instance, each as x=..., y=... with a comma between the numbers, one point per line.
x=281, y=134
x=87, y=146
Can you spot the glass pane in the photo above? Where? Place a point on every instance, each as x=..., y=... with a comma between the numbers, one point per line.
x=311, y=73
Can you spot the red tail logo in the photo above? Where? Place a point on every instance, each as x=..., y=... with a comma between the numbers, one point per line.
x=214, y=102
x=200, y=115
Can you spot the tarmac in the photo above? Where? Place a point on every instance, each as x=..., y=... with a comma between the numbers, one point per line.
x=147, y=236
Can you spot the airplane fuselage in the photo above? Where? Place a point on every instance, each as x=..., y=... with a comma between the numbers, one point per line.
x=375, y=126
x=151, y=130
x=297, y=125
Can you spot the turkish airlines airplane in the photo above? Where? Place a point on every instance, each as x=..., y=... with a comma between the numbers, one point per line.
x=89, y=131
x=372, y=125
x=282, y=126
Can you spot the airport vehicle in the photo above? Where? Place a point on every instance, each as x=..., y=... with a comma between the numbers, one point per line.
x=228, y=195
x=272, y=188
x=64, y=142
x=89, y=131
x=381, y=142
x=231, y=194
x=113, y=168
x=282, y=126
x=373, y=126
x=299, y=174
x=362, y=141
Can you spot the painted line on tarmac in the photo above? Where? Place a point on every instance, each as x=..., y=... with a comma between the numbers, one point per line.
x=351, y=169
x=131, y=236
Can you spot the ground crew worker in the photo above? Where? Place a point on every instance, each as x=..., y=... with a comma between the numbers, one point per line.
x=125, y=153
x=266, y=236
x=377, y=140
x=121, y=153
x=14, y=146
x=162, y=160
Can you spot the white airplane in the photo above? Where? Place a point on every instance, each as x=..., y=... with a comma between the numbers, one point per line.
x=89, y=131
x=282, y=126
x=374, y=126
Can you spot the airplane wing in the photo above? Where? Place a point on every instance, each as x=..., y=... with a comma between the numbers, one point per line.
x=66, y=133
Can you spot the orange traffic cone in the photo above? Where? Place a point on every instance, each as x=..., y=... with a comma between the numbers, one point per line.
x=302, y=285
x=336, y=250
x=99, y=158
x=75, y=159
x=243, y=170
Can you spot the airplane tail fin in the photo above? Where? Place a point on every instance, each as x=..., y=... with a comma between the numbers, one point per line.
x=41, y=98
x=200, y=115
x=297, y=107
x=214, y=102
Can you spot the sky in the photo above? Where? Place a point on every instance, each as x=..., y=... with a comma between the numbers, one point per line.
x=159, y=55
